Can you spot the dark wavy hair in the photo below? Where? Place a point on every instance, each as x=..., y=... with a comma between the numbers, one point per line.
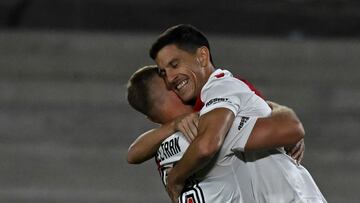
x=185, y=37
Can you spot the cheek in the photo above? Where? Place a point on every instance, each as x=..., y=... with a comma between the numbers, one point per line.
x=192, y=77
x=174, y=101
x=176, y=111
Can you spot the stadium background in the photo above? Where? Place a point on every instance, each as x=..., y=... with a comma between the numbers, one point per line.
x=65, y=125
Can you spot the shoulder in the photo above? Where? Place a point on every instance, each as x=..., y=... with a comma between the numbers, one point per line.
x=223, y=82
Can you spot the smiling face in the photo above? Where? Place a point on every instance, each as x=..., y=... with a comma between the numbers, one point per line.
x=184, y=72
x=166, y=104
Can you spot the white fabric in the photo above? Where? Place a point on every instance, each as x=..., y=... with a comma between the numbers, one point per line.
x=234, y=176
x=276, y=178
x=221, y=186
x=231, y=93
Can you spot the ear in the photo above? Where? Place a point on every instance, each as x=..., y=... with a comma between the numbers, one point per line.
x=154, y=120
x=153, y=117
x=203, y=55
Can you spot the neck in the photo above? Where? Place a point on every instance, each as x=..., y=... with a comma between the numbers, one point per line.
x=207, y=71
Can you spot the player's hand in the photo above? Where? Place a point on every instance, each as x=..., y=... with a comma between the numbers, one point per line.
x=297, y=151
x=174, y=189
x=188, y=125
x=273, y=105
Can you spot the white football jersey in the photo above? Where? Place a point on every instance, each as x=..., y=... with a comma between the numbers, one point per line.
x=275, y=177
x=233, y=176
x=220, y=188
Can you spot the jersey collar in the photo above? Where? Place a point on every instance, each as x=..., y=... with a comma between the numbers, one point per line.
x=198, y=104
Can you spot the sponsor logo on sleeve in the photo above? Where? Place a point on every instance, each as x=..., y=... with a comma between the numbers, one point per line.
x=244, y=119
x=217, y=100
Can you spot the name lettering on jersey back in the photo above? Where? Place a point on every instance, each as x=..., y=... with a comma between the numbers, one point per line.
x=216, y=100
x=168, y=149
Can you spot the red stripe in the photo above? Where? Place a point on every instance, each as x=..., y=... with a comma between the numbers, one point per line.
x=198, y=104
x=251, y=86
x=220, y=75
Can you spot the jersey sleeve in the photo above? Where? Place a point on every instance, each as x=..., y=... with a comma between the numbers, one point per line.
x=244, y=130
x=226, y=92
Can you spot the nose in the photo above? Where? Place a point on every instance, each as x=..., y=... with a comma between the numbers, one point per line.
x=170, y=75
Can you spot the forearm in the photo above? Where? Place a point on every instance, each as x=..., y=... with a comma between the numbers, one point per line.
x=205, y=146
x=290, y=129
x=281, y=129
x=146, y=145
x=193, y=160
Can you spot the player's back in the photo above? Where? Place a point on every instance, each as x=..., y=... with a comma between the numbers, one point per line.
x=206, y=187
x=276, y=178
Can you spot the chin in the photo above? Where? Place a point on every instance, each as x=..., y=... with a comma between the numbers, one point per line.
x=188, y=98
x=186, y=95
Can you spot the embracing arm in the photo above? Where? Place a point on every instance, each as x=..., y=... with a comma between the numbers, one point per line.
x=281, y=129
x=213, y=127
x=146, y=145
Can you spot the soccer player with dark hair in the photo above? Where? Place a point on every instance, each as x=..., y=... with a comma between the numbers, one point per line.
x=183, y=55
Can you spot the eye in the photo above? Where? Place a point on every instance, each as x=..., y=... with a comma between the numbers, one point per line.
x=173, y=64
x=162, y=72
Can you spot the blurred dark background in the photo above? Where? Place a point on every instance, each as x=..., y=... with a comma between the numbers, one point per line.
x=65, y=124
x=279, y=18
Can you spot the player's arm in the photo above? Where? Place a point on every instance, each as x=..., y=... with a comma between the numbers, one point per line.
x=281, y=129
x=146, y=145
x=213, y=127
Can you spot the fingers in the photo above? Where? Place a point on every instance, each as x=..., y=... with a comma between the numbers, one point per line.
x=278, y=107
x=196, y=120
x=297, y=152
x=272, y=104
x=188, y=125
x=191, y=127
x=186, y=132
x=195, y=125
x=295, y=149
x=301, y=158
x=298, y=155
